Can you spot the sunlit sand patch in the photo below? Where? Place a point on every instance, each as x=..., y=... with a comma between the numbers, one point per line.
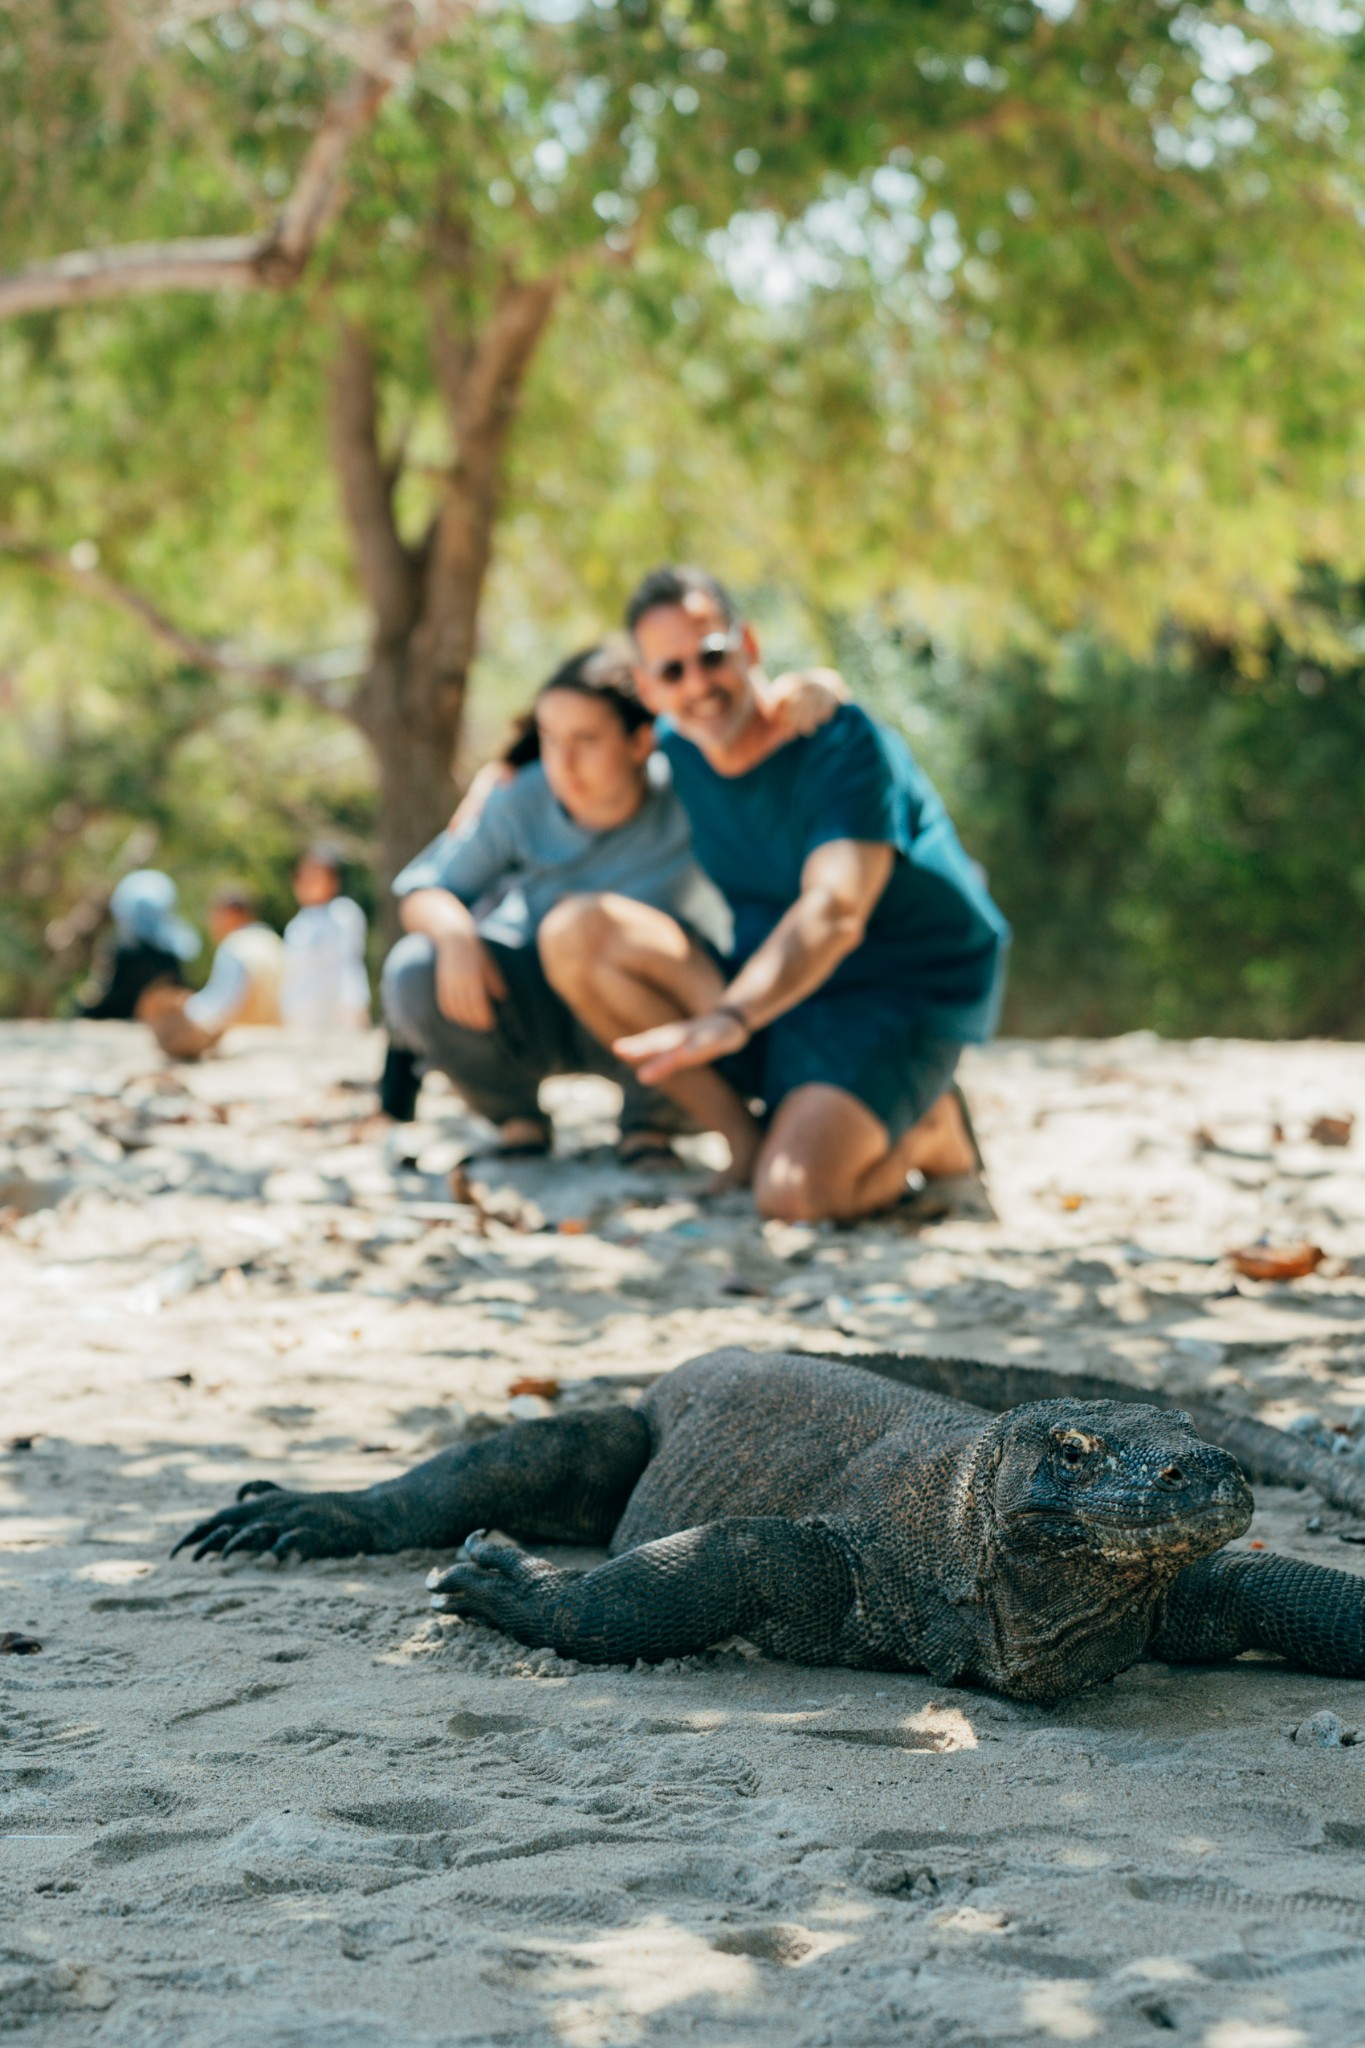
x=424, y=1641
x=1083, y=1856
x=116, y=1571
x=1248, y=2034
x=949, y=1726
x=972, y=1920
x=1060, y=2010
x=36, y=1532
x=604, y=1990
x=1155, y=1970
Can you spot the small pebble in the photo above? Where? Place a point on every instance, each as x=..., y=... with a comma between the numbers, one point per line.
x=1323, y=1731
x=528, y=1408
x=12, y=1644
x=1313, y=1526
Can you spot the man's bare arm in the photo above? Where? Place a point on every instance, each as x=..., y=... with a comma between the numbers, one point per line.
x=841, y=883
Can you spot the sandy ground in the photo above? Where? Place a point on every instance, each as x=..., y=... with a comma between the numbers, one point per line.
x=295, y=1809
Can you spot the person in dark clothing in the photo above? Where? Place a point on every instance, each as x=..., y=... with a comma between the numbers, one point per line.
x=133, y=968
x=150, y=945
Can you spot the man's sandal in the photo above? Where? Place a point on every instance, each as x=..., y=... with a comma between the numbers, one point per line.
x=957, y=1194
x=968, y=1126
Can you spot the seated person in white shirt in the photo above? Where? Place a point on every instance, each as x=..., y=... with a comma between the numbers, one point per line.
x=243, y=986
x=325, y=986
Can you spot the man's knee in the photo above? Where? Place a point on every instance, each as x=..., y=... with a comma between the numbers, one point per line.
x=813, y=1168
x=408, y=988
x=786, y=1190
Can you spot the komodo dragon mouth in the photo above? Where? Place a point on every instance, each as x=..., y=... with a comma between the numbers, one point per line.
x=1224, y=1514
x=1193, y=1532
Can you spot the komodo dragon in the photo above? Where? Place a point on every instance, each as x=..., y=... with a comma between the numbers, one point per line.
x=835, y=1517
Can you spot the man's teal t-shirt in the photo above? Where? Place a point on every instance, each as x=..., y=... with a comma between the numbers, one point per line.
x=935, y=942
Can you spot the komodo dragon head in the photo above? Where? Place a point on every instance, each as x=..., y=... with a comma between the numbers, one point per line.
x=1085, y=1511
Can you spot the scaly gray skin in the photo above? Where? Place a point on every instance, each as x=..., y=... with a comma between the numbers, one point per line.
x=1268, y=1457
x=834, y=1517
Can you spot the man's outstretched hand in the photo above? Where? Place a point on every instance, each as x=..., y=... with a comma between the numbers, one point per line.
x=692, y=1042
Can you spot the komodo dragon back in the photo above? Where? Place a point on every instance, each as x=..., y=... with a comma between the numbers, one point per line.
x=745, y=1433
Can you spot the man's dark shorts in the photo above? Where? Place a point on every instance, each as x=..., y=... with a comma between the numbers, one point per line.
x=860, y=1040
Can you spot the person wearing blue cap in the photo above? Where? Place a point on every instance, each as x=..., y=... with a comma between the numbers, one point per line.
x=151, y=944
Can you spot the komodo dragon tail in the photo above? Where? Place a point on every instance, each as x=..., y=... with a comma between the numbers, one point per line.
x=1269, y=1457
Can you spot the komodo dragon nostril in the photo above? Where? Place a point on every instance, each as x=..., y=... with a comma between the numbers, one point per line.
x=1171, y=1475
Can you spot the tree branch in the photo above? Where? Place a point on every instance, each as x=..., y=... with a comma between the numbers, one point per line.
x=483, y=397
x=481, y=381
x=386, y=568
x=270, y=260
x=312, y=678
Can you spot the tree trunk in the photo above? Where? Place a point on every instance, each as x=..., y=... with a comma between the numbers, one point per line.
x=425, y=600
x=414, y=731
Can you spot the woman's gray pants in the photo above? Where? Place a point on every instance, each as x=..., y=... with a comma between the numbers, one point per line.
x=534, y=1034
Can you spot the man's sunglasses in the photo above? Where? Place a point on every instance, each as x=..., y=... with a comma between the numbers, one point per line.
x=713, y=653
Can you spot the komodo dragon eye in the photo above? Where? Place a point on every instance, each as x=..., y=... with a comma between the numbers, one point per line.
x=1074, y=1447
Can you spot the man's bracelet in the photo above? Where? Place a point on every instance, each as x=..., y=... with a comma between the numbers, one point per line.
x=733, y=1011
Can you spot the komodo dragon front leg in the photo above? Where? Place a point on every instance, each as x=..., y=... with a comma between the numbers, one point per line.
x=1310, y=1615
x=563, y=1480
x=786, y=1585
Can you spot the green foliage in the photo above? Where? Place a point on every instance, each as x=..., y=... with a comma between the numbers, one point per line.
x=1025, y=321
x=1178, y=840
x=1057, y=311
x=153, y=765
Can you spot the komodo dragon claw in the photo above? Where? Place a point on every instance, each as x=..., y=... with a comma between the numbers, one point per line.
x=500, y=1584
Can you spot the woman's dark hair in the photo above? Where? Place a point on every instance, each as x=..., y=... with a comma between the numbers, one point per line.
x=602, y=672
